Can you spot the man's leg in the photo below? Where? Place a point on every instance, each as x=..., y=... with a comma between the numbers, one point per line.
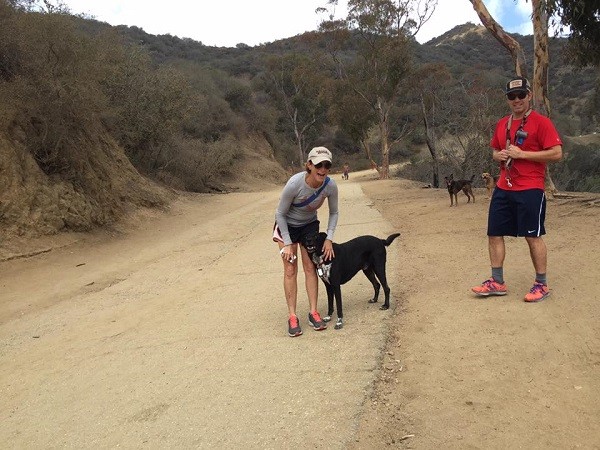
x=497, y=250
x=539, y=254
x=494, y=285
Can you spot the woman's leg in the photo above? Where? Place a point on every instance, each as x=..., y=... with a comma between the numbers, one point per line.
x=290, y=280
x=311, y=279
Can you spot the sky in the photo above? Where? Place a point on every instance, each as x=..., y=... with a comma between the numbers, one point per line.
x=226, y=23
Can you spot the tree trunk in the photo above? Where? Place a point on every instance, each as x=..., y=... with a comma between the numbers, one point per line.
x=430, y=140
x=384, y=172
x=384, y=131
x=501, y=36
x=540, y=73
x=299, y=139
x=367, y=149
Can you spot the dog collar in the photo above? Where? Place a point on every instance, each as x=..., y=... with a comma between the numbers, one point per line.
x=323, y=270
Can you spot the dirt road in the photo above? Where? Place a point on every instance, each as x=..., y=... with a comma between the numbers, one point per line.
x=174, y=335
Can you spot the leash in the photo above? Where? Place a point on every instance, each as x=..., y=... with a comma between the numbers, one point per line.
x=509, y=161
x=312, y=197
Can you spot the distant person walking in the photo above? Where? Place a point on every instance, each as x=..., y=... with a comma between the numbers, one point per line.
x=296, y=218
x=522, y=144
x=346, y=173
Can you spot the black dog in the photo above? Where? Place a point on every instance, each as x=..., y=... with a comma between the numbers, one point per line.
x=366, y=253
x=455, y=186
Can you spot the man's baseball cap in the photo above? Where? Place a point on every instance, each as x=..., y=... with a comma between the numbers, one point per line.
x=319, y=154
x=518, y=84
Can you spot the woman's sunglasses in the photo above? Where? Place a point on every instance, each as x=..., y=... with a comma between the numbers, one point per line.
x=325, y=164
x=514, y=95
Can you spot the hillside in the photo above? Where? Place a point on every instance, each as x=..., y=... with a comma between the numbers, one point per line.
x=465, y=49
x=98, y=121
x=34, y=205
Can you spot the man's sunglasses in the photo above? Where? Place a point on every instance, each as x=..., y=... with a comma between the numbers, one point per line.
x=514, y=95
x=325, y=164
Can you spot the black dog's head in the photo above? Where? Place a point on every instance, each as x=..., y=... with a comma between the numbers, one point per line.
x=314, y=243
x=449, y=180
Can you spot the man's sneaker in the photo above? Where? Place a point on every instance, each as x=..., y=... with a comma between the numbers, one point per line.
x=316, y=322
x=538, y=292
x=294, y=327
x=490, y=287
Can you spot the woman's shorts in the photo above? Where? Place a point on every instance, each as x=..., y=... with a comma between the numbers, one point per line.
x=517, y=213
x=297, y=234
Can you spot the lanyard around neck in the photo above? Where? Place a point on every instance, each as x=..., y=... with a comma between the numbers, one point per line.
x=521, y=125
x=508, y=163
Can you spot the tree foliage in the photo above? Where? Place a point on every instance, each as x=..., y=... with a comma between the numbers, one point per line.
x=379, y=72
x=297, y=87
x=581, y=19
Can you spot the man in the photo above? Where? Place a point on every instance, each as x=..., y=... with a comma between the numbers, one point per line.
x=522, y=144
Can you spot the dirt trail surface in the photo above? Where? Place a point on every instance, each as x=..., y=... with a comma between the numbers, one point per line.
x=173, y=335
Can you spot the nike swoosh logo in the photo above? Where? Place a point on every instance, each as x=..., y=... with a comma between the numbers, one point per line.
x=532, y=231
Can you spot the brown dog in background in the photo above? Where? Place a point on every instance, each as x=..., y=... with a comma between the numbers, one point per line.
x=490, y=182
x=455, y=186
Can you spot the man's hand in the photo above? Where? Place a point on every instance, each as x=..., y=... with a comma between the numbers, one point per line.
x=514, y=152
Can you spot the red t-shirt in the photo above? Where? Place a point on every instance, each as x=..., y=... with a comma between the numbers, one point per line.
x=541, y=135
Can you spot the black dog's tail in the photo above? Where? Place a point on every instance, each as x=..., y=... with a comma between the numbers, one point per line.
x=390, y=239
x=472, y=178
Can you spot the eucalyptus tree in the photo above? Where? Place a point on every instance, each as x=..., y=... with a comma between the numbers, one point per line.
x=581, y=18
x=351, y=114
x=384, y=31
x=297, y=86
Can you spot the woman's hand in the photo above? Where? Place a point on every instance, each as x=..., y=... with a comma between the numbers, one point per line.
x=287, y=253
x=328, y=254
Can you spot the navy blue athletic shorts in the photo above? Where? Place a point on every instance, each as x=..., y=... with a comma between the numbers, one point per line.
x=517, y=213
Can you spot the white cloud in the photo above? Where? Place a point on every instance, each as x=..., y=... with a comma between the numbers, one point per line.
x=227, y=23
x=446, y=16
x=220, y=22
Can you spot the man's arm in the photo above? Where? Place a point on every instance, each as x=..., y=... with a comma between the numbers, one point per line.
x=551, y=154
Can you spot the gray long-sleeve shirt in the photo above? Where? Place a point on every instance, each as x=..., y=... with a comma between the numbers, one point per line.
x=295, y=191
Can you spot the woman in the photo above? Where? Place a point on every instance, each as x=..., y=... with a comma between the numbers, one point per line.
x=295, y=218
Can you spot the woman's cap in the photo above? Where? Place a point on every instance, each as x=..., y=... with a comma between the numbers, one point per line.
x=518, y=84
x=319, y=154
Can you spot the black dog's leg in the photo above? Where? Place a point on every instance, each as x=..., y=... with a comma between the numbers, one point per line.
x=379, y=269
x=330, y=295
x=373, y=279
x=466, y=191
x=338, y=306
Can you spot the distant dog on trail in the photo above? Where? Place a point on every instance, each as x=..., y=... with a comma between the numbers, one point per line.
x=490, y=182
x=455, y=186
x=366, y=253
